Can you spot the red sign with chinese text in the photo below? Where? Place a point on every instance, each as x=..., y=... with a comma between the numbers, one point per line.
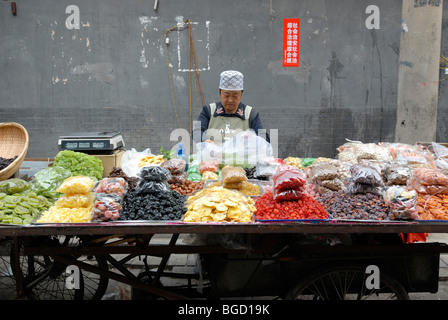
x=291, y=42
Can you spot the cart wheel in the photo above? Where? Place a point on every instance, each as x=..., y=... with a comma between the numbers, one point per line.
x=46, y=279
x=7, y=281
x=140, y=294
x=345, y=282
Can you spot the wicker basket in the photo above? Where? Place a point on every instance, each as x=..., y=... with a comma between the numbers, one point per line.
x=14, y=141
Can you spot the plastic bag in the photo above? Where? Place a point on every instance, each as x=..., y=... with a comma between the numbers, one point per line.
x=15, y=185
x=208, y=152
x=209, y=175
x=154, y=173
x=402, y=203
x=366, y=175
x=428, y=181
x=397, y=174
x=194, y=176
x=193, y=169
x=355, y=188
x=288, y=177
x=409, y=153
x=178, y=178
x=333, y=184
x=76, y=185
x=115, y=186
x=85, y=200
x=46, y=181
x=232, y=174
x=175, y=166
x=266, y=168
x=233, y=185
x=106, y=210
x=151, y=186
x=287, y=195
x=323, y=171
x=211, y=165
x=244, y=149
x=130, y=161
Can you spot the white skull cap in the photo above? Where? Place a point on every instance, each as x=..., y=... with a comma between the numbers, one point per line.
x=231, y=80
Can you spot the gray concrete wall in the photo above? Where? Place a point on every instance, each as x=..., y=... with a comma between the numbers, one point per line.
x=112, y=73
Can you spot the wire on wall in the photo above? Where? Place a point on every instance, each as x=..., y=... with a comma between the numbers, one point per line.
x=191, y=60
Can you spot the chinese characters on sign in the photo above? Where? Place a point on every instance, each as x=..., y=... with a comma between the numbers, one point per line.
x=291, y=43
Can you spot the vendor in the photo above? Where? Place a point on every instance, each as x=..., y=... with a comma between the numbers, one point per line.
x=223, y=119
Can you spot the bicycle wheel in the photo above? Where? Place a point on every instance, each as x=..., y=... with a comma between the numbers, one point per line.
x=345, y=282
x=8, y=289
x=46, y=279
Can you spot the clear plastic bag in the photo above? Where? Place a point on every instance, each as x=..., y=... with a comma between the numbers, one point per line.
x=116, y=186
x=85, y=200
x=366, y=175
x=266, y=168
x=106, y=210
x=154, y=173
x=287, y=195
x=323, y=171
x=211, y=165
x=232, y=174
x=428, y=181
x=130, y=160
x=15, y=185
x=397, y=174
x=233, y=185
x=356, y=188
x=210, y=175
x=151, y=186
x=402, y=203
x=175, y=166
x=288, y=177
x=46, y=181
x=76, y=185
x=178, y=178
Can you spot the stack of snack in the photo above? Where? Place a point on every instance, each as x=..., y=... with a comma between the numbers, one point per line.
x=76, y=203
x=109, y=194
x=288, y=183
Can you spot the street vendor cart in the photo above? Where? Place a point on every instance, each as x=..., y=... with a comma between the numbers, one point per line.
x=238, y=260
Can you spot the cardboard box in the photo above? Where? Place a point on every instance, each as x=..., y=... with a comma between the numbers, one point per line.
x=110, y=160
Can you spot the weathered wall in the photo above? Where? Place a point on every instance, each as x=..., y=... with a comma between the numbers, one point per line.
x=112, y=73
x=442, y=107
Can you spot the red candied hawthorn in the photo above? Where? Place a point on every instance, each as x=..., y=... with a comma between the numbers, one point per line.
x=304, y=208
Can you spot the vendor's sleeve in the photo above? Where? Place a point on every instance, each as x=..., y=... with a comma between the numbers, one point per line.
x=256, y=125
x=199, y=132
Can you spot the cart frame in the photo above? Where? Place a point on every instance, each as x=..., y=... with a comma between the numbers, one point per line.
x=133, y=239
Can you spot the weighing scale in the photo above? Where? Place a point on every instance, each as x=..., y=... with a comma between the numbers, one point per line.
x=92, y=142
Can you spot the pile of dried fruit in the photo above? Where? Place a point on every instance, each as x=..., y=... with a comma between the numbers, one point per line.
x=163, y=205
x=119, y=173
x=433, y=207
x=187, y=187
x=4, y=162
x=304, y=208
x=218, y=204
x=367, y=206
